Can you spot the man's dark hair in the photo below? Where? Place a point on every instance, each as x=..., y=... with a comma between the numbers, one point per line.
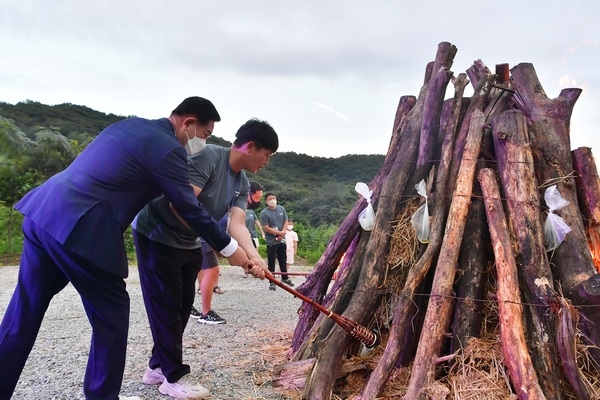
x=270, y=194
x=260, y=132
x=255, y=187
x=200, y=108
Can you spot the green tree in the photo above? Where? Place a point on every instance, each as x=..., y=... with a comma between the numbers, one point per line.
x=24, y=164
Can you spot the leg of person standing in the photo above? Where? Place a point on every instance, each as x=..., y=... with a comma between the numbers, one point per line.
x=46, y=268
x=38, y=281
x=281, y=251
x=210, y=278
x=167, y=277
x=271, y=257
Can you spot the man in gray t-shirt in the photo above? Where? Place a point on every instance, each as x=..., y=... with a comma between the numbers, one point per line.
x=169, y=254
x=274, y=222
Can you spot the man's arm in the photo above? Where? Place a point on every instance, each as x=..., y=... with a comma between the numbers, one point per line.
x=273, y=231
x=238, y=230
x=238, y=257
x=259, y=227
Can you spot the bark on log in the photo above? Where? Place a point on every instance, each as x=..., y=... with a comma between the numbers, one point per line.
x=316, y=284
x=516, y=355
x=588, y=190
x=479, y=101
x=437, y=317
x=549, y=135
x=362, y=304
x=517, y=176
x=432, y=109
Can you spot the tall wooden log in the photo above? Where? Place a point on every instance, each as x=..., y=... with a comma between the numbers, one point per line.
x=432, y=110
x=512, y=334
x=588, y=190
x=361, y=306
x=473, y=261
x=517, y=176
x=548, y=121
x=479, y=101
x=437, y=317
x=474, y=257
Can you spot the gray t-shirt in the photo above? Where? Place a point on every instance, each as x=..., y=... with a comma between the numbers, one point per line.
x=251, y=219
x=221, y=188
x=274, y=219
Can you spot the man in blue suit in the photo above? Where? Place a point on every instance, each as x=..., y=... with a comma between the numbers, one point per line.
x=73, y=232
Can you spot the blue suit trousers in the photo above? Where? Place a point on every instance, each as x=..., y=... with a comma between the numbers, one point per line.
x=46, y=268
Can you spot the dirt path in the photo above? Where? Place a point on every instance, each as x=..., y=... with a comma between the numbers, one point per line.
x=233, y=360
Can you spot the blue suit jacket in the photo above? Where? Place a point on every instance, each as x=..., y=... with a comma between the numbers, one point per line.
x=88, y=206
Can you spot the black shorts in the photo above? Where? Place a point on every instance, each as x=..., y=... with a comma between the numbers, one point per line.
x=210, y=258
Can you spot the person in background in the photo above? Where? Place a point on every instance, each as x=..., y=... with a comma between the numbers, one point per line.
x=252, y=221
x=291, y=242
x=209, y=261
x=73, y=233
x=169, y=251
x=274, y=222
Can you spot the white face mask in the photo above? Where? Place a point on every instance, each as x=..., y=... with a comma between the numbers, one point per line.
x=290, y=227
x=195, y=144
x=272, y=203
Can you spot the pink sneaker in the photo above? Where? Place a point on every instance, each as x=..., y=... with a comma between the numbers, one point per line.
x=184, y=388
x=153, y=376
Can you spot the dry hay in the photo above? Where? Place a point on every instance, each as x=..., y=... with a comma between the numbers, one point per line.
x=588, y=367
x=479, y=372
x=270, y=352
x=404, y=244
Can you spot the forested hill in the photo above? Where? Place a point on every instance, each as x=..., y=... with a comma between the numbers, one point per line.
x=314, y=190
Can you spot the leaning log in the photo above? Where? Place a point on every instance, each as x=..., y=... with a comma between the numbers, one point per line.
x=474, y=261
x=512, y=333
x=517, y=176
x=588, y=190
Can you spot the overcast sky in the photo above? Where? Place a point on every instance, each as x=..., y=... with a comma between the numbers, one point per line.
x=327, y=74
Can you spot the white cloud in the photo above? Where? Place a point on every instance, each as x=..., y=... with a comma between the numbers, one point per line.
x=262, y=59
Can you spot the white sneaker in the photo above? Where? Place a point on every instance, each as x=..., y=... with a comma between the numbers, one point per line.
x=153, y=376
x=184, y=388
x=129, y=398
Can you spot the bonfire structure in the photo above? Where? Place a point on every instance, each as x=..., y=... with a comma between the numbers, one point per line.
x=487, y=305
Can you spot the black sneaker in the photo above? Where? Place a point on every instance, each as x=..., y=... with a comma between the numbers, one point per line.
x=211, y=318
x=272, y=286
x=288, y=282
x=195, y=313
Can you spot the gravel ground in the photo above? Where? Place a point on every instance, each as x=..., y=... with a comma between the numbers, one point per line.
x=233, y=360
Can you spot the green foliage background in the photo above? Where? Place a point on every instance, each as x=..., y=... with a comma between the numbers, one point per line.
x=38, y=140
